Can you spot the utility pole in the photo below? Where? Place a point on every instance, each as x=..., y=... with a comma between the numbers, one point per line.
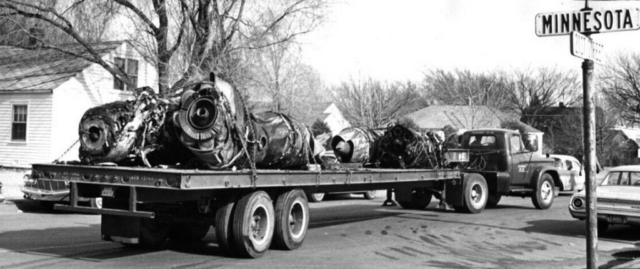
x=590, y=163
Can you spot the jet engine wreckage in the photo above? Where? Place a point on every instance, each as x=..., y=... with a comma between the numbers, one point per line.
x=208, y=126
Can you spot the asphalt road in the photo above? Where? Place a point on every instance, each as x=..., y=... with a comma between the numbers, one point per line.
x=344, y=233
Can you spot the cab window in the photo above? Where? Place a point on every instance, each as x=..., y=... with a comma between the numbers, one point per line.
x=516, y=144
x=487, y=141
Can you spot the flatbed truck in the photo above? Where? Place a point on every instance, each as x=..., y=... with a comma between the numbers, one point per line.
x=248, y=209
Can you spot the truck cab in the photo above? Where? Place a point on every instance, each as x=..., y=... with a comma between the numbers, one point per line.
x=508, y=167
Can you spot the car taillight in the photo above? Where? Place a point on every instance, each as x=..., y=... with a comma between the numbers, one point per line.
x=577, y=203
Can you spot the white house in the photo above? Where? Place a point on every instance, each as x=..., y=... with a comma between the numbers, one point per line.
x=44, y=93
x=329, y=113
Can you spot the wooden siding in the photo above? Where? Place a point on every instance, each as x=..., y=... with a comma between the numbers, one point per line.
x=37, y=146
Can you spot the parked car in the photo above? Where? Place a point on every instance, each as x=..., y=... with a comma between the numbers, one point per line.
x=618, y=199
x=319, y=196
x=571, y=172
x=49, y=192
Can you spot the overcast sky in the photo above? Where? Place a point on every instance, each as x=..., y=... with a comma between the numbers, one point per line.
x=401, y=39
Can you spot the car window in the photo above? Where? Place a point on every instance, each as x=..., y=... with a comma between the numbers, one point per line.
x=634, y=178
x=577, y=165
x=624, y=179
x=612, y=178
x=568, y=165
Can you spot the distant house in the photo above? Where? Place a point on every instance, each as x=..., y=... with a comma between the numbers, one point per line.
x=43, y=94
x=329, y=113
x=625, y=143
x=437, y=117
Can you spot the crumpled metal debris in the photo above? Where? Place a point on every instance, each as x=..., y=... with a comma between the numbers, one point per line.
x=356, y=144
x=120, y=131
x=212, y=123
x=401, y=147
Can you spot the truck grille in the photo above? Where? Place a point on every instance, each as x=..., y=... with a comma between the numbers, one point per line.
x=50, y=185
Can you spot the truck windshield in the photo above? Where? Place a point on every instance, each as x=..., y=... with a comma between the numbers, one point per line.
x=480, y=141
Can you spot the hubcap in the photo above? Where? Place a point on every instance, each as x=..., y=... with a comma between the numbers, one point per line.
x=259, y=225
x=296, y=220
x=546, y=191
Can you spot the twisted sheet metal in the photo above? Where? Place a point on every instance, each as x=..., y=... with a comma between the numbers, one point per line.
x=401, y=147
x=356, y=144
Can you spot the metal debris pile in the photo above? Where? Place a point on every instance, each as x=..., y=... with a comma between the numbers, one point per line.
x=356, y=145
x=401, y=147
x=208, y=126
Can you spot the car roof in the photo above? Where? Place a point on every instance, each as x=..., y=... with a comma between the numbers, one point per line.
x=563, y=157
x=632, y=168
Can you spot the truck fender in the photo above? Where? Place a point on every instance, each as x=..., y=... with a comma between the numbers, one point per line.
x=454, y=191
x=539, y=171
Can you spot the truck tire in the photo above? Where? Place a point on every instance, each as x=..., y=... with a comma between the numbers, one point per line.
x=543, y=195
x=493, y=200
x=153, y=233
x=316, y=197
x=224, y=226
x=370, y=195
x=253, y=224
x=188, y=232
x=292, y=220
x=476, y=194
x=420, y=199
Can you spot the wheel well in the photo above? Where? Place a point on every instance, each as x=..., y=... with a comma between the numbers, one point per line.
x=556, y=179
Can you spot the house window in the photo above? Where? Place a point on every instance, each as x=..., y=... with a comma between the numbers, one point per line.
x=130, y=67
x=19, y=123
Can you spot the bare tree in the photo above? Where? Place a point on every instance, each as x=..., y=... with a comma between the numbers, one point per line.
x=462, y=87
x=202, y=35
x=371, y=103
x=620, y=82
x=532, y=92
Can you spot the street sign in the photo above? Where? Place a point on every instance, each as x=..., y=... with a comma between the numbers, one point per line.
x=587, y=22
x=584, y=47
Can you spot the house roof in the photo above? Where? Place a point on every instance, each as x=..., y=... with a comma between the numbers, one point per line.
x=43, y=69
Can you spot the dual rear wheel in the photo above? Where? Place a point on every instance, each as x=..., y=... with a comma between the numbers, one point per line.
x=247, y=227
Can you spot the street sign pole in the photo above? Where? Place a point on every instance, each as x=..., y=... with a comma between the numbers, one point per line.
x=589, y=128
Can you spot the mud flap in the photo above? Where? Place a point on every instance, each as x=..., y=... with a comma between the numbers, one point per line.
x=121, y=229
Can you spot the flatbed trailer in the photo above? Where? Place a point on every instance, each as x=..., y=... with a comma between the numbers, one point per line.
x=248, y=209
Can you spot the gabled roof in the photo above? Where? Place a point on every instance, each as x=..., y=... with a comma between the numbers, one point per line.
x=459, y=117
x=43, y=69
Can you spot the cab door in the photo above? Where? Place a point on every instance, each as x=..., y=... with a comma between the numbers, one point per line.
x=520, y=157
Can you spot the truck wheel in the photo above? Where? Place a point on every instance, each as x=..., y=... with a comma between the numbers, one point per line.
x=420, y=199
x=493, y=200
x=476, y=194
x=316, y=197
x=224, y=226
x=543, y=195
x=292, y=219
x=188, y=232
x=370, y=195
x=253, y=224
x=153, y=233
x=96, y=202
